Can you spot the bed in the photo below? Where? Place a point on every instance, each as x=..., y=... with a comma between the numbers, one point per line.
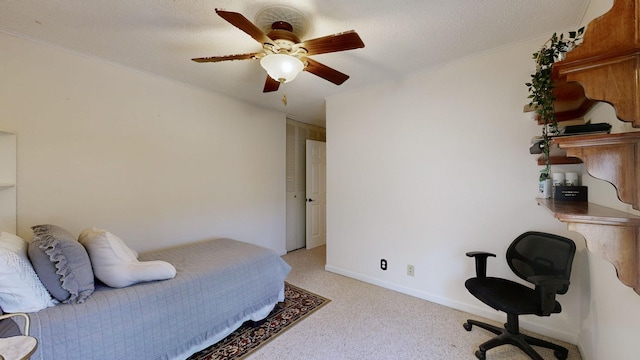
x=219, y=284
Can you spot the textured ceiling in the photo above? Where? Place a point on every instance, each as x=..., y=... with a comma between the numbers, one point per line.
x=401, y=37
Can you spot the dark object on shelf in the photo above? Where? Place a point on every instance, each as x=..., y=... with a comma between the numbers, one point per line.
x=587, y=128
x=536, y=148
x=571, y=193
x=542, y=259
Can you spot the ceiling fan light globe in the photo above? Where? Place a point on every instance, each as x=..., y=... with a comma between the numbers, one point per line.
x=282, y=67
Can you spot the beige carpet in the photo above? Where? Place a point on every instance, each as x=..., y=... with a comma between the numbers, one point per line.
x=364, y=321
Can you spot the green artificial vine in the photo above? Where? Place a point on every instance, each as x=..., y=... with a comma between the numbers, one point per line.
x=542, y=85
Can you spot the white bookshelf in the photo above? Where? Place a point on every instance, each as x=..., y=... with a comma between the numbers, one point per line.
x=7, y=181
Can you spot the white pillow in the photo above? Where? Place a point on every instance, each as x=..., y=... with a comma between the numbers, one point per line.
x=116, y=265
x=20, y=288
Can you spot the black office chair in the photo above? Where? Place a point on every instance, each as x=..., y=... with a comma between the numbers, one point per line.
x=539, y=258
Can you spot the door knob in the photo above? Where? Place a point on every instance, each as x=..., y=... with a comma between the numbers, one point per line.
x=310, y=200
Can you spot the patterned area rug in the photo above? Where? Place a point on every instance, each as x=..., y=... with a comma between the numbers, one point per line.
x=298, y=304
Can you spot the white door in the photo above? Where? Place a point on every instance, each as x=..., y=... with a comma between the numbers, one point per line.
x=316, y=195
x=296, y=186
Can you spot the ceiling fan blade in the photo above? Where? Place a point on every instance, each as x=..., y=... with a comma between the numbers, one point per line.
x=270, y=84
x=325, y=72
x=228, y=57
x=338, y=42
x=242, y=23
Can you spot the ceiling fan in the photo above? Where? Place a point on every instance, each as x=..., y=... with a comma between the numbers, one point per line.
x=283, y=54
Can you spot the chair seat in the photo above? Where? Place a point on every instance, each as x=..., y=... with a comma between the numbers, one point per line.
x=506, y=295
x=17, y=347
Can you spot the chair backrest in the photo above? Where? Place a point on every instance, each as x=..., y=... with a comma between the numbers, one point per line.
x=538, y=253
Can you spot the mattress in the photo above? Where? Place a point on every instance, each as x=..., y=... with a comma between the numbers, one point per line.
x=219, y=284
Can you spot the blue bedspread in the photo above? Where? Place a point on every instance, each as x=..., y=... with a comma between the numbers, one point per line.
x=218, y=284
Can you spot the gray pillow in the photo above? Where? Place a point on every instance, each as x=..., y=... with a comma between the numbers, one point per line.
x=62, y=264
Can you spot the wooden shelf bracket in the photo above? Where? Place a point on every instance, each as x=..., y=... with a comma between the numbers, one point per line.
x=612, y=234
x=616, y=244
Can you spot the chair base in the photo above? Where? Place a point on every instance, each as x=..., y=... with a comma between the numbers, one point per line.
x=511, y=335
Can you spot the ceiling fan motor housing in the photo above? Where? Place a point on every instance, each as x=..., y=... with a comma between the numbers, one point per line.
x=283, y=35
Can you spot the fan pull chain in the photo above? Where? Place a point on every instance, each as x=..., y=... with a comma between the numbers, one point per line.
x=284, y=98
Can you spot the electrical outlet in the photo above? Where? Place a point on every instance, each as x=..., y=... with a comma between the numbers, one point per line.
x=410, y=270
x=383, y=264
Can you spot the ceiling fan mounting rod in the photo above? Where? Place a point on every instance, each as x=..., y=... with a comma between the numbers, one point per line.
x=281, y=25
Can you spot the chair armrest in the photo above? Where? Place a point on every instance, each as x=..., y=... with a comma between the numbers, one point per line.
x=481, y=262
x=25, y=323
x=547, y=287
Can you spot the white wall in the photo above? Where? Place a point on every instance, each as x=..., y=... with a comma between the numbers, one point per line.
x=155, y=161
x=424, y=169
x=428, y=168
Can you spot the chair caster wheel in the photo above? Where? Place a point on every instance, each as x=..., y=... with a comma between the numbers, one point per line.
x=467, y=326
x=481, y=355
x=561, y=355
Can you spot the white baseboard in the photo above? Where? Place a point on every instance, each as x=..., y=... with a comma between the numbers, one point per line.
x=483, y=312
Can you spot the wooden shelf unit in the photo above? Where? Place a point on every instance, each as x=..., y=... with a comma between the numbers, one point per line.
x=558, y=156
x=571, y=102
x=559, y=160
x=610, y=157
x=607, y=63
x=607, y=66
